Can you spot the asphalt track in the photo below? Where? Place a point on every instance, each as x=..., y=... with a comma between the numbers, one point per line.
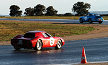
x=96, y=51
x=68, y=21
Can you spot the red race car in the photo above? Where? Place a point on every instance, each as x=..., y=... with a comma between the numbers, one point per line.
x=36, y=40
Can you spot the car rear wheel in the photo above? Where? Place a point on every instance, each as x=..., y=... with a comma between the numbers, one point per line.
x=81, y=20
x=38, y=45
x=90, y=21
x=59, y=44
x=17, y=47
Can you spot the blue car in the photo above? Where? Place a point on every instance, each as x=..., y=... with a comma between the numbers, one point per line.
x=91, y=18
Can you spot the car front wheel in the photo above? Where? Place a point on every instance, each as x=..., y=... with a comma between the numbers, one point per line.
x=100, y=22
x=59, y=44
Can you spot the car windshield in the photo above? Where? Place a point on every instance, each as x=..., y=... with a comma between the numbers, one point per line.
x=97, y=15
x=29, y=35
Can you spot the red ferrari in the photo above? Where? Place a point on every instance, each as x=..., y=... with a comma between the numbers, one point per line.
x=36, y=40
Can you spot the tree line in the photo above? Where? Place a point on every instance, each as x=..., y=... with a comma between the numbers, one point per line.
x=80, y=8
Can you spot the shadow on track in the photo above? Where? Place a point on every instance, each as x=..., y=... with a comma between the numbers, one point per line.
x=43, y=51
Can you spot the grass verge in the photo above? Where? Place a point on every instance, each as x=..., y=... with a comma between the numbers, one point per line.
x=105, y=17
x=49, y=17
x=9, y=29
x=44, y=17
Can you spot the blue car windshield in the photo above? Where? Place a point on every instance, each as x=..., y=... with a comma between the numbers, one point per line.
x=97, y=15
x=92, y=14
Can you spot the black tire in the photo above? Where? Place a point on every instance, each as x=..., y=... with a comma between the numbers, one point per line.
x=38, y=45
x=100, y=22
x=17, y=47
x=81, y=20
x=90, y=21
x=59, y=44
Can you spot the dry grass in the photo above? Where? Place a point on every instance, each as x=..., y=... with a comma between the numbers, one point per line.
x=49, y=17
x=44, y=17
x=9, y=29
x=105, y=17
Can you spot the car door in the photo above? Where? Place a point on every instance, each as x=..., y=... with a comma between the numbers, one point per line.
x=48, y=40
x=85, y=18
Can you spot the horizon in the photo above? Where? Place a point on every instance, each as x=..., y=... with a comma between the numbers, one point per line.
x=61, y=6
x=96, y=12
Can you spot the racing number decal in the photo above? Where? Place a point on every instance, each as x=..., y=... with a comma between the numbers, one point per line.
x=51, y=41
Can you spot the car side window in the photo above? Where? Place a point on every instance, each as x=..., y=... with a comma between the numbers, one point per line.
x=46, y=35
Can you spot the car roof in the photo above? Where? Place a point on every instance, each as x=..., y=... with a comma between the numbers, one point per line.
x=35, y=31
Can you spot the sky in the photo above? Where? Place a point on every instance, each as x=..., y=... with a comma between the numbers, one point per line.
x=62, y=6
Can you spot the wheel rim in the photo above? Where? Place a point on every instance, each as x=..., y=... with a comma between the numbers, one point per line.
x=39, y=45
x=59, y=44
